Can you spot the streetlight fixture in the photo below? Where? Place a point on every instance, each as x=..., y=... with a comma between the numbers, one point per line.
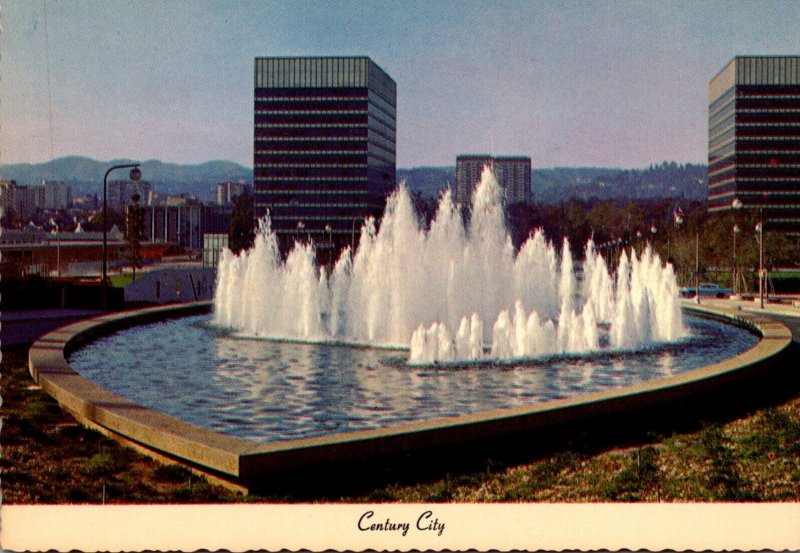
x=736, y=205
x=329, y=230
x=760, y=231
x=736, y=230
x=135, y=174
x=697, y=265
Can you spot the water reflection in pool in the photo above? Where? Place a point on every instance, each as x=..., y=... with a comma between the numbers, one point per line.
x=264, y=390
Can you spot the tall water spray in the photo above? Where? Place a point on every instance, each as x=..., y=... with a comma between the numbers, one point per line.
x=450, y=293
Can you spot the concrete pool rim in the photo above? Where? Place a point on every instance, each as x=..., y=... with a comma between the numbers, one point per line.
x=241, y=461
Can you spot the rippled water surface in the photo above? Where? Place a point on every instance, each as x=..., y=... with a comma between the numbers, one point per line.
x=264, y=390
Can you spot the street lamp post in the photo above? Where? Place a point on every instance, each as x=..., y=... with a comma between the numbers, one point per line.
x=697, y=266
x=329, y=230
x=735, y=271
x=736, y=205
x=760, y=231
x=58, y=251
x=134, y=175
x=678, y=223
x=761, y=272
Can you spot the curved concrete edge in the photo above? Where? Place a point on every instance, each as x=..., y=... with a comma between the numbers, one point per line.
x=98, y=407
x=244, y=460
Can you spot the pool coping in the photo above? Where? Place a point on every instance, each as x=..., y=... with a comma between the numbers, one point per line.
x=241, y=461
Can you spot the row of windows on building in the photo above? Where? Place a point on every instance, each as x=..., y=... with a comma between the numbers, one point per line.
x=513, y=175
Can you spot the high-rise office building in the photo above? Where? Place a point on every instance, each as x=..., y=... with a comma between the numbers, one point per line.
x=57, y=194
x=120, y=192
x=754, y=139
x=8, y=193
x=227, y=191
x=324, y=146
x=513, y=174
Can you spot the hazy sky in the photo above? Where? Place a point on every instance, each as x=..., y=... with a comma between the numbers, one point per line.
x=620, y=84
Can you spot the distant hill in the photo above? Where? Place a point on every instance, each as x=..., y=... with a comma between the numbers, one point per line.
x=86, y=175
x=666, y=180
x=428, y=181
x=550, y=186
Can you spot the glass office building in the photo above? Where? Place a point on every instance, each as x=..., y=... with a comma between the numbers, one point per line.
x=513, y=174
x=754, y=139
x=324, y=147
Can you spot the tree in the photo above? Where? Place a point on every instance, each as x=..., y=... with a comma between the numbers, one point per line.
x=96, y=221
x=134, y=225
x=241, y=230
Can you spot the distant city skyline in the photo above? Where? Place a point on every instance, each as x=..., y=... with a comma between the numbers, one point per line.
x=611, y=84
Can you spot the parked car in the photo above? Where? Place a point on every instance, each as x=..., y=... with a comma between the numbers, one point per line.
x=706, y=289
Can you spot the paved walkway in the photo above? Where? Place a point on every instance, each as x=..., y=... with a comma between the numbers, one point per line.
x=786, y=313
x=786, y=309
x=22, y=328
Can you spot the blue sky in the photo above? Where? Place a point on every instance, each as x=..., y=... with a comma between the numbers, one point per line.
x=618, y=84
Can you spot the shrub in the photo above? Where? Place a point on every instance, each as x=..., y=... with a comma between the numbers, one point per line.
x=101, y=464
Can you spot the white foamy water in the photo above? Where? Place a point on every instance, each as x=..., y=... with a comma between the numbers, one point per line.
x=450, y=293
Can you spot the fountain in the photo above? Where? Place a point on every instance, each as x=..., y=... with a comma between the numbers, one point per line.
x=416, y=325
x=450, y=293
x=419, y=342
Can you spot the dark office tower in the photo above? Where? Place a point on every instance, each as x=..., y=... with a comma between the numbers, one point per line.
x=513, y=174
x=324, y=147
x=754, y=139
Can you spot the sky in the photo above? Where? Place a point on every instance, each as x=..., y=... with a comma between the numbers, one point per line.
x=606, y=84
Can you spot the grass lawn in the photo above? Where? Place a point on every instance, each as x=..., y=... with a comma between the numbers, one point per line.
x=48, y=458
x=120, y=281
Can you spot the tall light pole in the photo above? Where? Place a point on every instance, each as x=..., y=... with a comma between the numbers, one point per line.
x=735, y=271
x=58, y=251
x=678, y=216
x=697, y=266
x=134, y=175
x=329, y=230
x=736, y=205
x=760, y=231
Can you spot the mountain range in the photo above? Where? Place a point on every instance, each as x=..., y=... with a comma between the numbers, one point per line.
x=550, y=186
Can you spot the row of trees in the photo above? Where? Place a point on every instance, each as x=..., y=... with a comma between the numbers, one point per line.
x=685, y=234
x=634, y=223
